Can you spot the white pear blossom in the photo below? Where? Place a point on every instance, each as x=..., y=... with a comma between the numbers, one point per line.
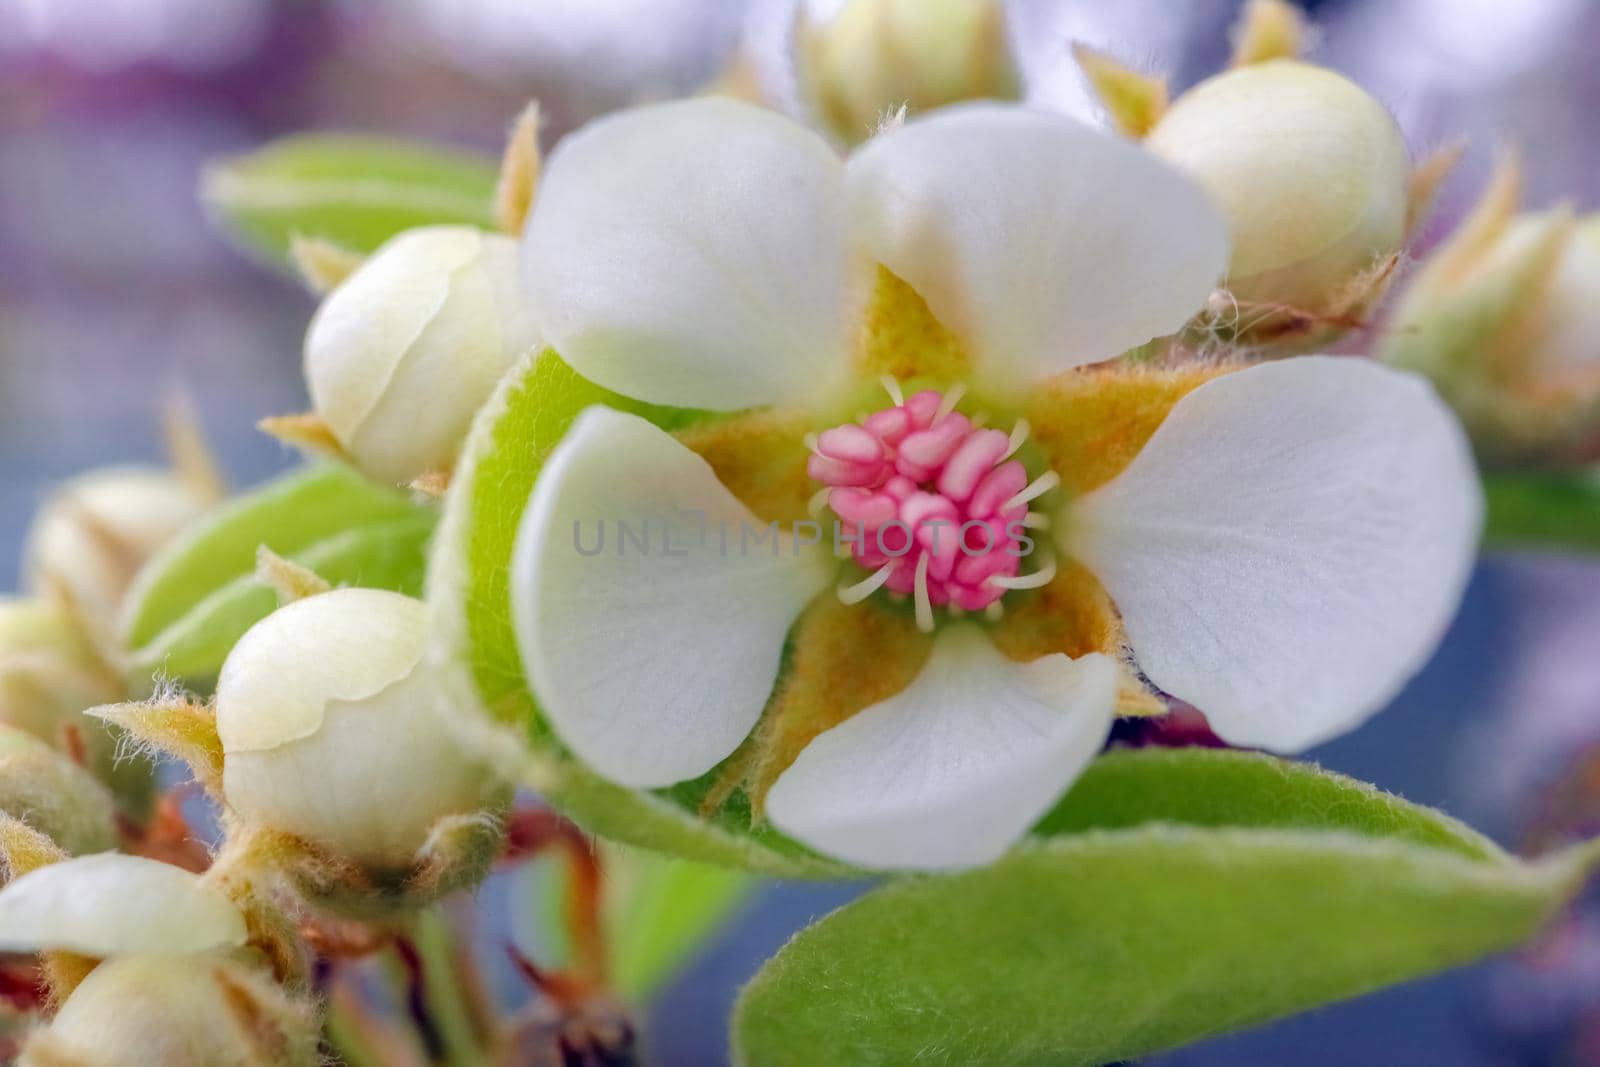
x=1284, y=549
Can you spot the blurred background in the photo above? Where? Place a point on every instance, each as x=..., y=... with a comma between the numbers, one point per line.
x=113, y=290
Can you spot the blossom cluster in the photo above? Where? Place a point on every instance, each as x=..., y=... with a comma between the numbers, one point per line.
x=1053, y=388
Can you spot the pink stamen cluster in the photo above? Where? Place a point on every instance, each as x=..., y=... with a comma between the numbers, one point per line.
x=931, y=497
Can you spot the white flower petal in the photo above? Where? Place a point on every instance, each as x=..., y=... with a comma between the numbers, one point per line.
x=116, y=905
x=405, y=351
x=693, y=253
x=951, y=771
x=1289, y=547
x=1044, y=243
x=652, y=667
x=366, y=325
x=280, y=677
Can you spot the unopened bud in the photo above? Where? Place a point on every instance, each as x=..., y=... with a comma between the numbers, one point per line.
x=333, y=733
x=53, y=795
x=402, y=354
x=178, y=1011
x=48, y=675
x=877, y=56
x=48, y=672
x=1504, y=318
x=94, y=533
x=1312, y=175
x=1566, y=356
x=111, y=904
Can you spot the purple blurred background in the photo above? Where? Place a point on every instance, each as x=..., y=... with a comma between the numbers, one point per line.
x=113, y=290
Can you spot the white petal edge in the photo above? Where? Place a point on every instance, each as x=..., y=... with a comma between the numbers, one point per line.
x=694, y=253
x=1290, y=546
x=345, y=644
x=651, y=668
x=116, y=905
x=361, y=330
x=953, y=770
x=1043, y=242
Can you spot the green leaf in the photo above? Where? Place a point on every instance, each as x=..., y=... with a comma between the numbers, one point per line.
x=198, y=595
x=357, y=191
x=1127, y=788
x=1107, y=945
x=1543, y=511
x=470, y=604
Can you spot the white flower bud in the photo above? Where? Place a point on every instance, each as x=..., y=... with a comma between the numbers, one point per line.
x=1504, y=318
x=110, y=905
x=54, y=795
x=1310, y=171
x=48, y=673
x=875, y=56
x=333, y=730
x=1566, y=351
x=48, y=676
x=95, y=532
x=177, y=1011
x=402, y=354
